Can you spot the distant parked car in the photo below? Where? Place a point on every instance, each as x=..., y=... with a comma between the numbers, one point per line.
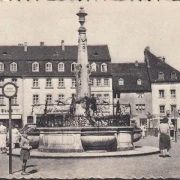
x=33, y=134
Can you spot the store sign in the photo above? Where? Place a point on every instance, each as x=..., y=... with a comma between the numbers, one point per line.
x=9, y=90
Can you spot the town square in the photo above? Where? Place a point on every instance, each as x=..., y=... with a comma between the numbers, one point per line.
x=89, y=90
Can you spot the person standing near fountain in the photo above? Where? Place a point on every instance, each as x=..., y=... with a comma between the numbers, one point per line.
x=164, y=139
x=2, y=138
x=25, y=152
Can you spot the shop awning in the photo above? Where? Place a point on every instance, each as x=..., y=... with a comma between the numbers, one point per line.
x=14, y=116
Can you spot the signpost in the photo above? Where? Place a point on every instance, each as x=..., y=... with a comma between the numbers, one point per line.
x=9, y=90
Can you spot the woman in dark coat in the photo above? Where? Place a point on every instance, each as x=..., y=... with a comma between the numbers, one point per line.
x=25, y=152
x=164, y=139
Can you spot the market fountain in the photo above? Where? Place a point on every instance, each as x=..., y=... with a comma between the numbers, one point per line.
x=82, y=129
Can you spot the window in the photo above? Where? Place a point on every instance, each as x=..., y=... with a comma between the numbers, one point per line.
x=139, y=82
x=173, y=93
x=160, y=75
x=49, y=98
x=35, y=99
x=35, y=82
x=61, y=67
x=1, y=100
x=161, y=93
x=14, y=100
x=61, y=82
x=13, y=67
x=103, y=67
x=1, y=67
x=93, y=67
x=61, y=97
x=73, y=66
x=106, y=82
x=162, y=109
x=99, y=98
x=173, y=75
x=14, y=80
x=1, y=82
x=48, y=67
x=94, y=82
x=121, y=81
x=173, y=107
x=48, y=83
x=73, y=82
x=140, y=107
x=106, y=98
x=35, y=67
x=140, y=95
x=98, y=82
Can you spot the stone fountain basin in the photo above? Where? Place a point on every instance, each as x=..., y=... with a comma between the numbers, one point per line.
x=137, y=134
x=98, y=140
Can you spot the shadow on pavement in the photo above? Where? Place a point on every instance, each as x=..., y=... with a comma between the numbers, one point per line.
x=32, y=171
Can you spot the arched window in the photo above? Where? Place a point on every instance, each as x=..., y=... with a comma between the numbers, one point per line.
x=103, y=67
x=73, y=65
x=48, y=67
x=173, y=75
x=160, y=75
x=13, y=67
x=93, y=67
x=1, y=67
x=61, y=66
x=139, y=82
x=35, y=67
x=121, y=81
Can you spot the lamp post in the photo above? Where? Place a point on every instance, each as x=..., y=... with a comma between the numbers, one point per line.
x=9, y=90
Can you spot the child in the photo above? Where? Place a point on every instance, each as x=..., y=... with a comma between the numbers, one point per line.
x=25, y=152
x=2, y=138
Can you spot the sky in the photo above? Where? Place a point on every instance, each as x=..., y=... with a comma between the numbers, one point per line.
x=126, y=27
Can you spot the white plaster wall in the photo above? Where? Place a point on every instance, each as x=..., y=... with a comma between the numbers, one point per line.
x=167, y=100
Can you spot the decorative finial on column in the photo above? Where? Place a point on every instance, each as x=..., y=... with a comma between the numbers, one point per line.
x=81, y=15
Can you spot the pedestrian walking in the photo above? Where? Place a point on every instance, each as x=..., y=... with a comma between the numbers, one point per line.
x=3, y=138
x=25, y=152
x=143, y=128
x=171, y=131
x=164, y=139
x=15, y=137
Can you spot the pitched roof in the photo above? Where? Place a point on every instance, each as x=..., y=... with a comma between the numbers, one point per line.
x=155, y=66
x=130, y=73
x=95, y=53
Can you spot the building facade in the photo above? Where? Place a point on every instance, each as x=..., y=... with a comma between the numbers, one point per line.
x=45, y=77
x=165, y=85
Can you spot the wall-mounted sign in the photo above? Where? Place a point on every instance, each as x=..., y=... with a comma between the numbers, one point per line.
x=9, y=90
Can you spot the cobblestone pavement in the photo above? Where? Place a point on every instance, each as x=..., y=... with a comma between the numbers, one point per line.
x=148, y=166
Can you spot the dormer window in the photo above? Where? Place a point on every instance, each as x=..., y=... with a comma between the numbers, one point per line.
x=121, y=82
x=1, y=67
x=139, y=82
x=173, y=75
x=73, y=66
x=35, y=67
x=48, y=67
x=61, y=67
x=13, y=67
x=160, y=75
x=103, y=67
x=93, y=67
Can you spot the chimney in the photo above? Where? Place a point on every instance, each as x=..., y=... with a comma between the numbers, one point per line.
x=62, y=44
x=163, y=59
x=25, y=46
x=136, y=63
x=147, y=48
x=41, y=43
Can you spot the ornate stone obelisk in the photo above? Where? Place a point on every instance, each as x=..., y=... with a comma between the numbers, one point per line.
x=82, y=67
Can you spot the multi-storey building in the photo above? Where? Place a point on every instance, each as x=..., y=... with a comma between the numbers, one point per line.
x=132, y=88
x=45, y=74
x=165, y=85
